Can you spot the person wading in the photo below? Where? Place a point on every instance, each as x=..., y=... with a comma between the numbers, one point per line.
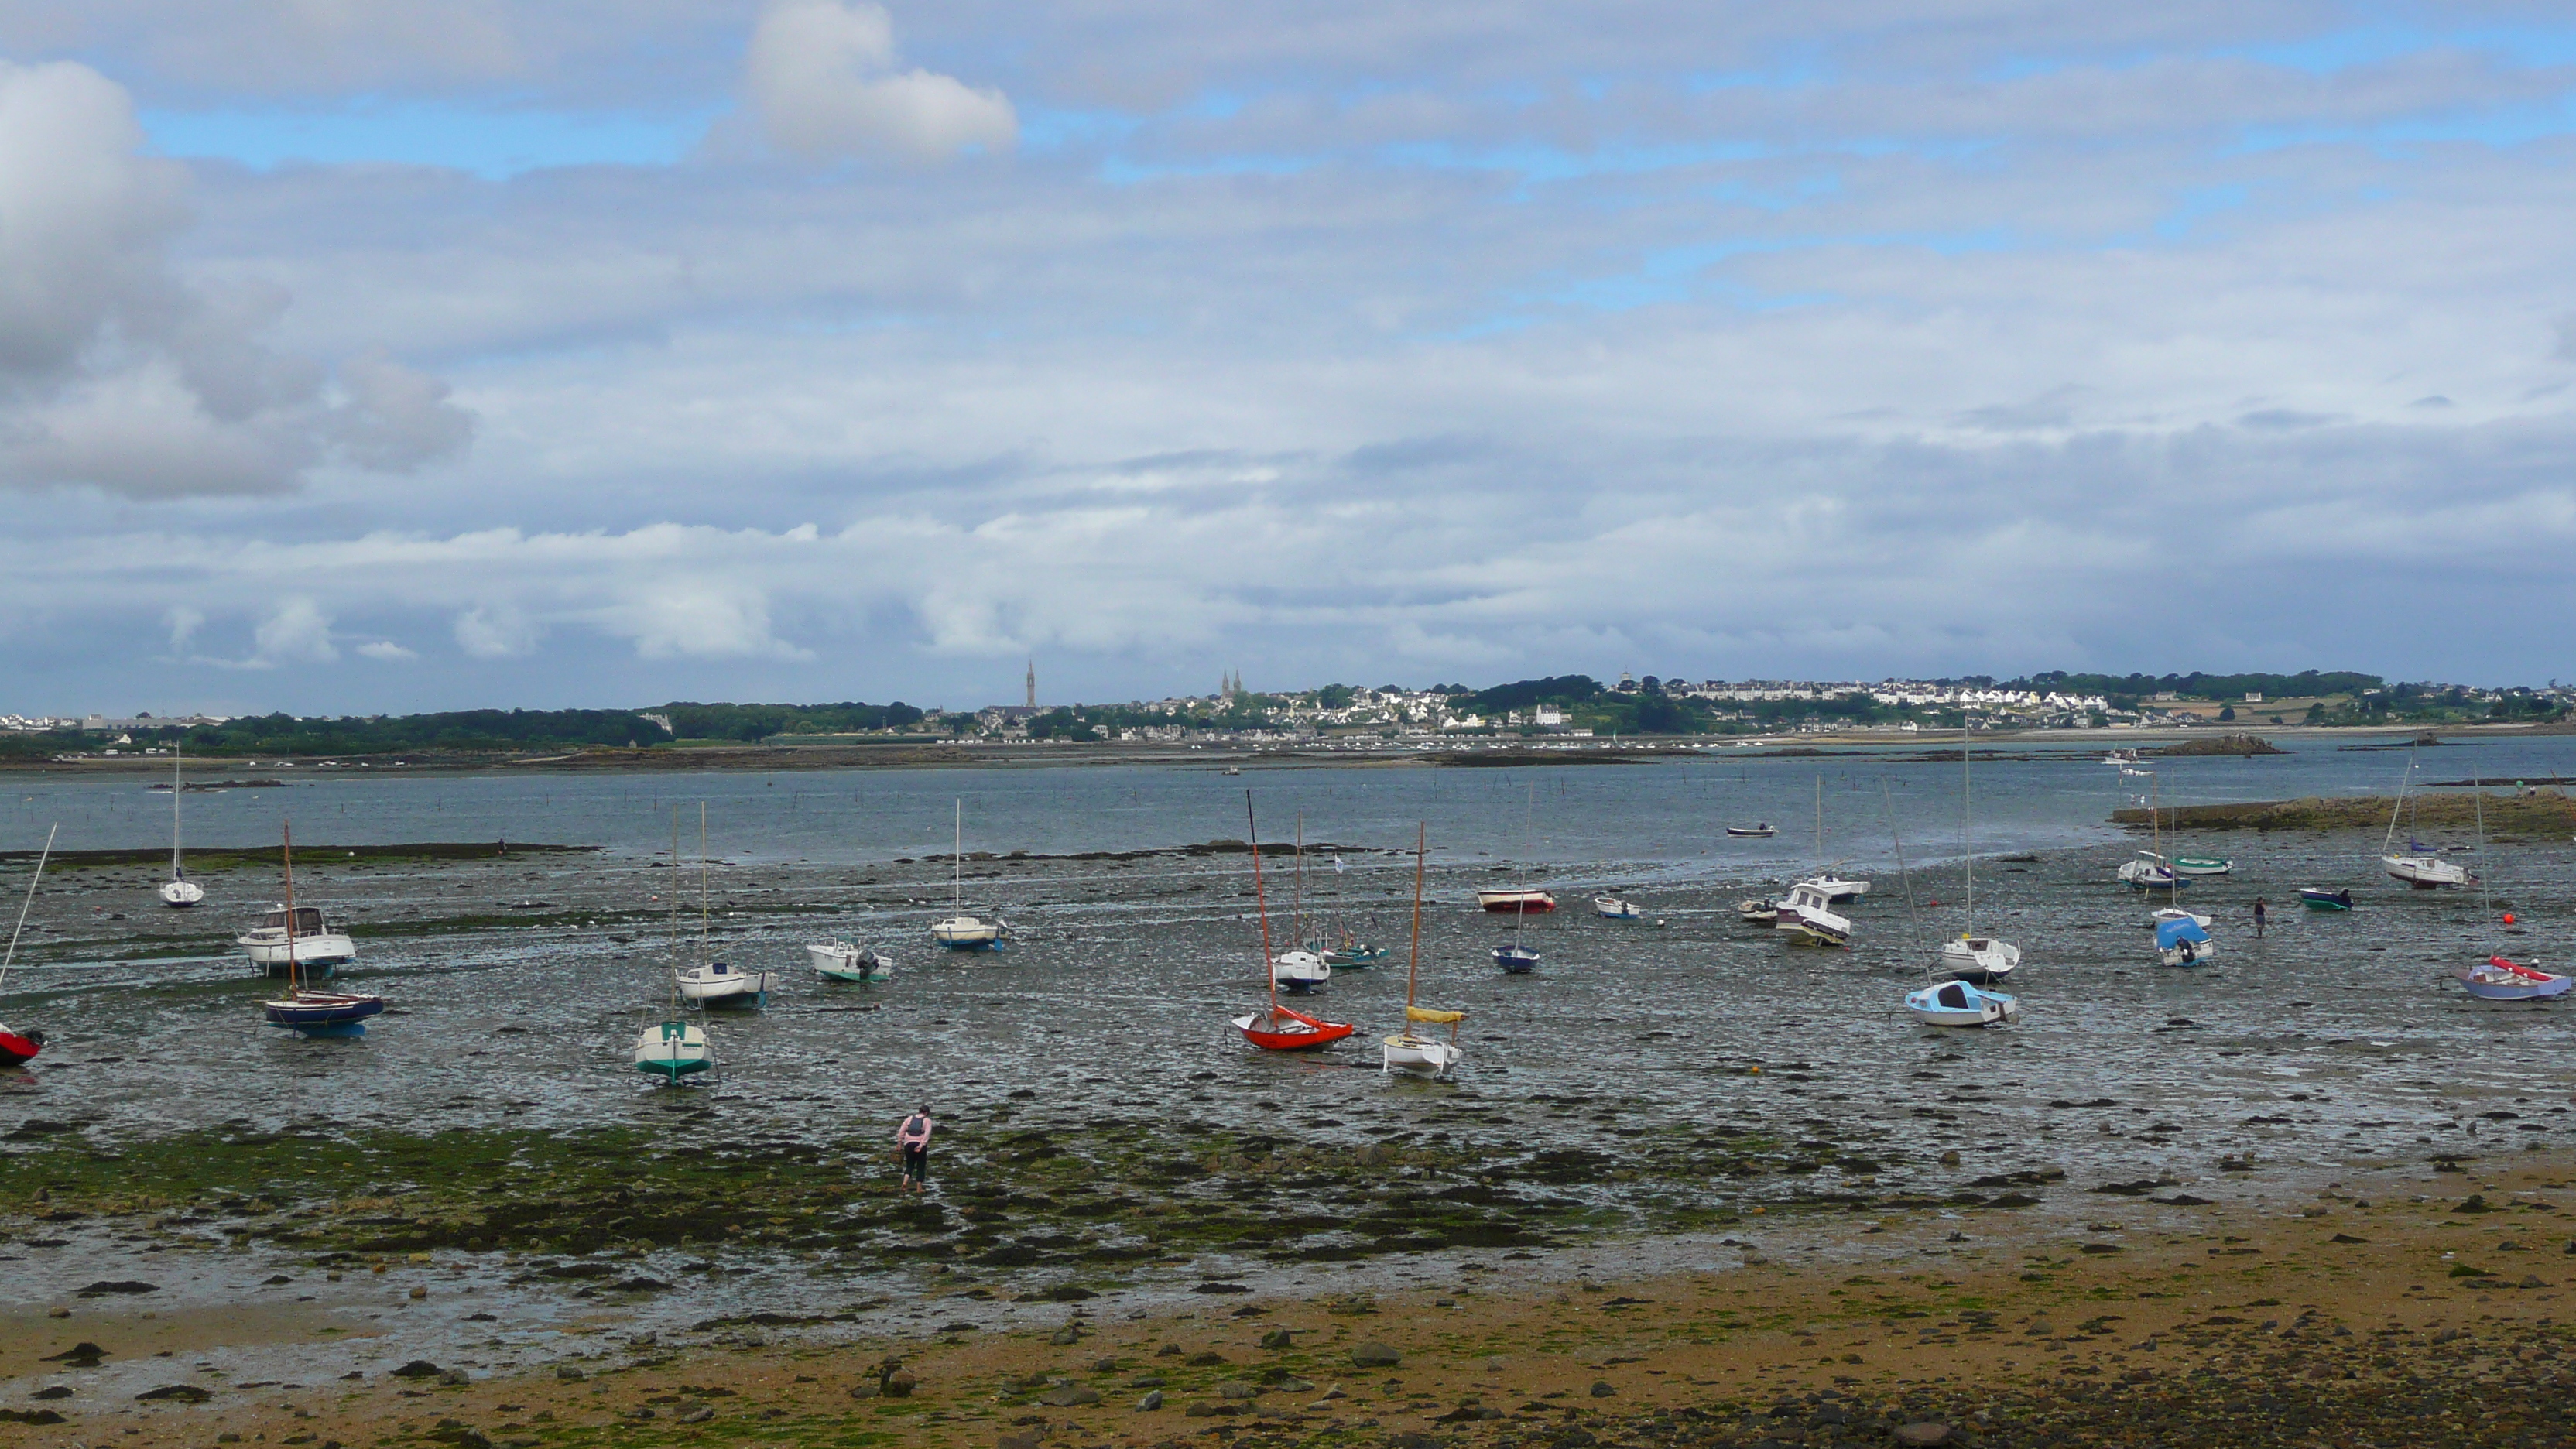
x=912, y=1139
x=2258, y=915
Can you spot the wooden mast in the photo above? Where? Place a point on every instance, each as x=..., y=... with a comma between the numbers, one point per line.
x=1260, y=907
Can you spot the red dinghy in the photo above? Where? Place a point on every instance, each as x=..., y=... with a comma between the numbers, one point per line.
x=1279, y=1028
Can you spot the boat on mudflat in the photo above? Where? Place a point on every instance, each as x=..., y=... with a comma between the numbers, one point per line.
x=1763, y=831
x=2318, y=899
x=2497, y=979
x=1516, y=902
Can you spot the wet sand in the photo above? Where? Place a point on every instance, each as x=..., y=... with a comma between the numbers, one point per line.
x=2406, y=1305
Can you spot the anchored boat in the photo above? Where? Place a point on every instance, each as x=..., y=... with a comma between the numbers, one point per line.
x=178, y=892
x=2498, y=979
x=674, y=1047
x=1972, y=957
x=19, y=1048
x=1279, y=1028
x=1958, y=1003
x=2184, y=942
x=1413, y=1050
x=841, y=961
x=302, y=1010
x=962, y=930
x=1763, y=831
x=2317, y=898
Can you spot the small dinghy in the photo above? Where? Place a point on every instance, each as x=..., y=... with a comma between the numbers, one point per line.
x=304, y=1012
x=2497, y=979
x=1763, y=831
x=841, y=961
x=1612, y=908
x=1351, y=955
x=1957, y=1003
x=673, y=1048
x=2316, y=899
x=2201, y=865
x=1280, y=1028
x=1516, y=902
x=19, y=1048
x=2184, y=943
x=1516, y=959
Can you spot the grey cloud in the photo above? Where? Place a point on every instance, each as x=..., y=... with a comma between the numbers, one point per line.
x=2287, y=419
x=826, y=81
x=395, y=419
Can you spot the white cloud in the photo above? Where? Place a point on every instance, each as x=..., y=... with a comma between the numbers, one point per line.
x=297, y=633
x=387, y=650
x=495, y=632
x=121, y=373
x=822, y=75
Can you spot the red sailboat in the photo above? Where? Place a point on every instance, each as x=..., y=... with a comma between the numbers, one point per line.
x=19, y=1048
x=1280, y=1028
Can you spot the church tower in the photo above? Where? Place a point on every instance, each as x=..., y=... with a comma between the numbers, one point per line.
x=1033, y=682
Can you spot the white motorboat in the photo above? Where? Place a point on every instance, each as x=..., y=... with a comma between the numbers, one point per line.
x=1612, y=908
x=842, y=961
x=1299, y=972
x=1516, y=902
x=1837, y=888
x=717, y=983
x=2151, y=872
x=2121, y=757
x=2184, y=943
x=2177, y=913
x=296, y=943
x=961, y=929
x=1808, y=916
x=1978, y=958
x=178, y=892
x=1763, y=831
x=1956, y=1003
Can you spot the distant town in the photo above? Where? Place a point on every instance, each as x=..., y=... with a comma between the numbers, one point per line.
x=1562, y=707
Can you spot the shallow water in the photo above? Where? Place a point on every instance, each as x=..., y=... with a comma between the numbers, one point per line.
x=2330, y=1041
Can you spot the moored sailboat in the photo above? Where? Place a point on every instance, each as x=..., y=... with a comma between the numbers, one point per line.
x=17, y=1048
x=1412, y=1049
x=718, y=983
x=178, y=892
x=2422, y=869
x=1279, y=1028
x=302, y=1010
x=1972, y=957
x=674, y=1047
x=961, y=929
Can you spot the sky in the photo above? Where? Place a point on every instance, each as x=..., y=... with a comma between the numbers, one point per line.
x=369, y=357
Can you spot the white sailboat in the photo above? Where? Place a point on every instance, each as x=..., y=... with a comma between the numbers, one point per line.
x=1299, y=969
x=1972, y=957
x=1414, y=1050
x=1835, y=888
x=178, y=892
x=2419, y=868
x=961, y=929
x=1952, y=1003
x=718, y=983
x=1807, y=913
x=674, y=1047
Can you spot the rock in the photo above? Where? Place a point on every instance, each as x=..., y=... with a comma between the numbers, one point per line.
x=1148, y=1381
x=1375, y=1355
x=1279, y=1338
x=273, y=1279
x=66, y=1313
x=83, y=1354
x=1065, y=1336
x=453, y=1378
x=1205, y=1360
x=1150, y=1402
x=58, y=1391
x=419, y=1368
x=418, y=1292
x=1603, y=1388
x=1070, y=1396
x=1923, y=1433
x=1028, y=1440
x=1200, y=1409
x=1294, y=1386
x=176, y=1393
x=1236, y=1389
x=1332, y=1393
x=864, y=1389
x=1105, y=1366
x=1219, y=1286
x=699, y=1415
x=103, y=1288
x=30, y=1416
x=899, y=1385
x=566, y=1373
x=1950, y=1158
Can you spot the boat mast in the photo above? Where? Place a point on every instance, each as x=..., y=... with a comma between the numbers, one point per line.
x=1260, y=907
x=957, y=866
x=286, y=858
x=2397, y=805
x=175, y=792
x=702, y=878
x=675, y=911
x=1413, y=971
x=1912, y=922
x=46, y=855
x=1967, y=845
x=1297, y=923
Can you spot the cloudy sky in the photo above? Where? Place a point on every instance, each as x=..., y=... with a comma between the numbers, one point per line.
x=378, y=356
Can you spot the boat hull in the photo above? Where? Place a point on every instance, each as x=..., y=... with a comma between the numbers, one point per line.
x=2202, y=865
x=1515, y=903
x=671, y=1050
x=2497, y=979
x=1419, y=1056
x=2425, y=872
x=178, y=895
x=315, y=1013
x=2316, y=900
x=17, y=1048
x=1979, y=959
x=1282, y=1030
x=841, y=961
x=1516, y=960
x=1356, y=958
x=1611, y=908
x=1752, y=832
x=1957, y=1003
x=1763, y=912
x=321, y=955
x=966, y=933
x=718, y=984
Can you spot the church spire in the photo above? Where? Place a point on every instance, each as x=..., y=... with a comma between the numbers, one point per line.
x=1033, y=682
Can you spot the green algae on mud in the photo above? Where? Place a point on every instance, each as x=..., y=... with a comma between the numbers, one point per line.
x=1078, y=1202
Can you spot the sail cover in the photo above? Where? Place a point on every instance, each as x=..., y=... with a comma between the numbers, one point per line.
x=2171, y=933
x=1424, y=1013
